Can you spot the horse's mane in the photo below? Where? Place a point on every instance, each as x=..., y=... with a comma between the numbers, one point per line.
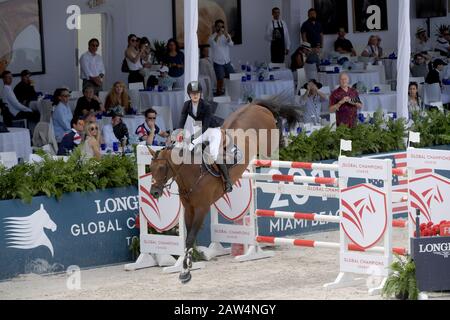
x=282, y=106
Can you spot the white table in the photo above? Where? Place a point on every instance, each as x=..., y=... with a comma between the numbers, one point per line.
x=173, y=99
x=279, y=74
x=446, y=94
x=17, y=140
x=269, y=88
x=374, y=101
x=369, y=78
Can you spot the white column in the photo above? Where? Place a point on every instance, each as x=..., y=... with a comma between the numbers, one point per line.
x=404, y=56
x=191, y=51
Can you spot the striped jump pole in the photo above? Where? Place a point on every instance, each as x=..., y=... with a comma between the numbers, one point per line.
x=314, y=217
x=290, y=178
x=321, y=244
x=311, y=166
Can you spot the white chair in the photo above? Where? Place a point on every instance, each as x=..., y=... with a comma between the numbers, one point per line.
x=236, y=76
x=136, y=86
x=8, y=159
x=277, y=65
x=325, y=90
x=233, y=89
x=102, y=96
x=301, y=79
x=432, y=93
x=135, y=99
x=311, y=71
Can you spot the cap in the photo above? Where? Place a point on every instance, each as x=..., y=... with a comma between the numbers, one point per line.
x=164, y=69
x=318, y=84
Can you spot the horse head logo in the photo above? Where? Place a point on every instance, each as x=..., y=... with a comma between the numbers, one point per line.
x=424, y=200
x=356, y=212
x=29, y=232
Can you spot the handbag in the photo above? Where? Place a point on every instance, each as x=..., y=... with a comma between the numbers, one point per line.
x=125, y=68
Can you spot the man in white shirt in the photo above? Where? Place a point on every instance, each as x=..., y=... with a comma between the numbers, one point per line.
x=278, y=35
x=220, y=43
x=17, y=110
x=92, y=69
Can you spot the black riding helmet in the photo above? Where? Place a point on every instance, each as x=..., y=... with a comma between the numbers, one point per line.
x=193, y=87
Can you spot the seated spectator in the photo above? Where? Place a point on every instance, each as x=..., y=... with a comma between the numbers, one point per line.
x=72, y=139
x=18, y=111
x=343, y=45
x=117, y=131
x=91, y=142
x=24, y=90
x=373, y=49
x=206, y=67
x=62, y=116
x=174, y=59
x=345, y=102
x=434, y=74
x=312, y=101
x=88, y=103
x=148, y=130
x=420, y=67
x=423, y=43
x=313, y=57
x=443, y=41
x=118, y=97
x=91, y=117
x=164, y=80
x=297, y=59
x=415, y=103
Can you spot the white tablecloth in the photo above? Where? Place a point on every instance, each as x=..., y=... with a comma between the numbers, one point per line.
x=390, y=66
x=369, y=78
x=374, y=101
x=260, y=88
x=17, y=140
x=279, y=74
x=173, y=99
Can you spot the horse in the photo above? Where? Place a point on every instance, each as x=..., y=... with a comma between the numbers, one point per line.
x=197, y=188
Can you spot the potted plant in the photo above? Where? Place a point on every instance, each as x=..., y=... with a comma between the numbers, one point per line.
x=402, y=282
x=159, y=51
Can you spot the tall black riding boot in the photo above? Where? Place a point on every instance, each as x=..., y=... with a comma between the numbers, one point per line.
x=228, y=185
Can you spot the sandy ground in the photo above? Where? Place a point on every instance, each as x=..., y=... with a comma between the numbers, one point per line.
x=293, y=274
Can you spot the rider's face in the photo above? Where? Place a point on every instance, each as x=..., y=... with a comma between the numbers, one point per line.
x=195, y=97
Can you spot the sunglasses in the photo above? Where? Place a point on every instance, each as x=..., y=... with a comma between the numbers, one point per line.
x=93, y=129
x=153, y=118
x=66, y=95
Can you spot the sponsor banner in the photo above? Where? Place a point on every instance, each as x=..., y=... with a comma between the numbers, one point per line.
x=233, y=234
x=363, y=168
x=437, y=159
x=375, y=265
x=161, y=244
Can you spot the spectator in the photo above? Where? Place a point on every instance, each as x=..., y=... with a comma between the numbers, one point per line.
x=17, y=110
x=220, y=42
x=91, y=143
x=62, y=116
x=149, y=130
x=133, y=57
x=312, y=101
x=434, y=74
x=373, y=49
x=312, y=30
x=146, y=57
x=88, y=103
x=72, y=139
x=299, y=56
x=117, y=131
x=118, y=97
x=24, y=90
x=92, y=69
x=343, y=45
x=419, y=68
x=345, y=102
x=164, y=80
x=415, y=103
x=196, y=114
x=278, y=35
x=206, y=67
x=423, y=43
x=443, y=41
x=313, y=56
x=174, y=59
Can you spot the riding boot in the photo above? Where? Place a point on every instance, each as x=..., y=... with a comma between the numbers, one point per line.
x=228, y=184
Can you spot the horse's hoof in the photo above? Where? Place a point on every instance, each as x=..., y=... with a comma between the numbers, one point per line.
x=185, y=277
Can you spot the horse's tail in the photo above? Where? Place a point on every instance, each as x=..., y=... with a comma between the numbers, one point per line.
x=281, y=106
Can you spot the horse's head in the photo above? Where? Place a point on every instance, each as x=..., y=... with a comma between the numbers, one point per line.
x=45, y=218
x=162, y=172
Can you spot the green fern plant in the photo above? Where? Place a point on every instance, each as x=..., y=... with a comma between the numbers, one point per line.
x=160, y=51
x=402, y=283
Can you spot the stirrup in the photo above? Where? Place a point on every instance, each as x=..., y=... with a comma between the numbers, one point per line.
x=228, y=187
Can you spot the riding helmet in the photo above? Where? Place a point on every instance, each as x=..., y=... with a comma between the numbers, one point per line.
x=194, y=86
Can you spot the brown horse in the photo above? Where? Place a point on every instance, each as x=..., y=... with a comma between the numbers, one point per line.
x=199, y=189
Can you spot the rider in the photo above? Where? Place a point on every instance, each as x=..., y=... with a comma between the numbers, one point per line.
x=198, y=110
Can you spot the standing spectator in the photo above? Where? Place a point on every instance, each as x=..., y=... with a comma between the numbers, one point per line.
x=149, y=130
x=423, y=43
x=17, y=110
x=443, y=42
x=174, y=59
x=419, y=68
x=434, y=76
x=92, y=67
x=88, y=103
x=133, y=57
x=146, y=57
x=118, y=97
x=206, y=67
x=415, y=103
x=91, y=143
x=220, y=42
x=312, y=101
x=72, y=139
x=373, y=49
x=278, y=35
x=312, y=30
x=24, y=90
x=62, y=116
x=343, y=45
x=345, y=102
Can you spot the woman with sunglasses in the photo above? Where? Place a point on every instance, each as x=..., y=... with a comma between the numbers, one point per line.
x=62, y=114
x=148, y=130
x=133, y=57
x=91, y=144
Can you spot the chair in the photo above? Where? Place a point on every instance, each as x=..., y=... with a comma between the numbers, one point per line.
x=325, y=90
x=237, y=76
x=277, y=65
x=311, y=71
x=8, y=159
x=301, y=79
x=45, y=108
x=233, y=89
x=136, y=86
x=432, y=93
